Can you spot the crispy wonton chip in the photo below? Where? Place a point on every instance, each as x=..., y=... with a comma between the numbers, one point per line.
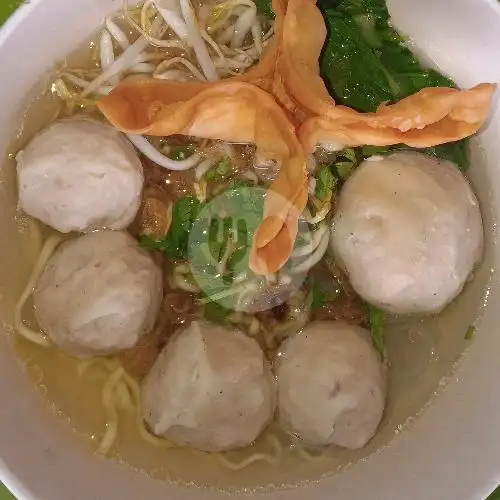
x=430, y=117
x=234, y=112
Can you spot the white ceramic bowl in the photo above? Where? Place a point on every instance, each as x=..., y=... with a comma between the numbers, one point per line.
x=451, y=452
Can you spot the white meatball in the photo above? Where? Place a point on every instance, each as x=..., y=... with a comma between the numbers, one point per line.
x=331, y=385
x=210, y=388
x=98, y=294
x=80, y=175
x=408, y=232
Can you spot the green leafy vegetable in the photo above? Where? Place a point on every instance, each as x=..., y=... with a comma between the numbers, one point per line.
x=456, y=152
x=348, y=154
x=320, y=294
x=377, y=329
x=220, y=170
x=239, y=184
x=368, y=151
x=215, y=312
x=224, y=166
x=265, y=7
x=344, y=168
x=352, y=71
x=470, y=332
x=175, y=243
x=365, y=63
x=325, y=183
x=319, y=297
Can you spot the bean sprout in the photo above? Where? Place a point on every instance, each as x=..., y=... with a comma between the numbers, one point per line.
x=155, y=17
x=242, y=26
x=147, y=149
x=213, y=45
x=316, y=239
x=182, y=282
x=312, y=186
x=121, y=64
x=107, y=54
x=81, y=83
x=180, y=60
x=173, y=74
x=244, y=287
x=149, y=34
x=171, y=14
x=143, y=68
x=257, y=35
x=116, y=32
x=200, y=190
x=197, y=42
x=318, y=217
x=204, y=167
x=225, y=37
x=313, y=259
x=251, y=176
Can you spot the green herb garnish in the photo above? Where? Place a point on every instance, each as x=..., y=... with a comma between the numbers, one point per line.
x=470, y=332
x=376, y=317
x=216, y=313
x=175, y=242
x=325, y=183
x=221, y=169
x=265, y=7
x=320, y=296
x=368, y=151
x=179, y=153
x=457, y=152
x=344, y=168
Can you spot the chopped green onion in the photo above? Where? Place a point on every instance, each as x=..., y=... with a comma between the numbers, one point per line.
x=221, y=169
x=223, y=166
x=325, y=183
x=349, y=154
x=216, y=313
x=374, y=150
x=344, y=168
x=377, y=329
x=470, y=332
x=179, y=153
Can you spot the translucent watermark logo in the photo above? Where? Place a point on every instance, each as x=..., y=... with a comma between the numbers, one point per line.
x=220, y=245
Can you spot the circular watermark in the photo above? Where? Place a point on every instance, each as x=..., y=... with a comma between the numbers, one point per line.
x=220, y=246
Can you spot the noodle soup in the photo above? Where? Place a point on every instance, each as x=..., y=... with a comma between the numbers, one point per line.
x=101, y=396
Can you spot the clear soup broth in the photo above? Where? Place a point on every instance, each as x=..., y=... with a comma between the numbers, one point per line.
x=421, y=354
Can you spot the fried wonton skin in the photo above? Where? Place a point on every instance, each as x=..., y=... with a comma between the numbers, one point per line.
x=430, y=117
x=230, y=111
